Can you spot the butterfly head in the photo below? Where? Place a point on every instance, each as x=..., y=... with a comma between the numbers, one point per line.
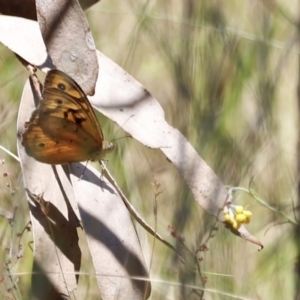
x=107, y=147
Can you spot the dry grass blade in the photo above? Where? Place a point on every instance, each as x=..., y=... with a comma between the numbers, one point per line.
x=133, y=211
x=112, y=239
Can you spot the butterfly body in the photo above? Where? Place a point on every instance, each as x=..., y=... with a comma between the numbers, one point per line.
x=64, y=127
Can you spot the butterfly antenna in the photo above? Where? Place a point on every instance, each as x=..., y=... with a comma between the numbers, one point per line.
x=120, y=127
x=122, y=137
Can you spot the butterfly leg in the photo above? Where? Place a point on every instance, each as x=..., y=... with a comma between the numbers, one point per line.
x=103, y=163
x=83, y=170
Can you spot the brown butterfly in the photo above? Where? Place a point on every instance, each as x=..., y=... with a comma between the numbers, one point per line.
x=64, y=127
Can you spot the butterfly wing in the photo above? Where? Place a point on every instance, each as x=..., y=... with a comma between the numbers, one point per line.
x=64, y=127
x=58, y=80
x=58, y=141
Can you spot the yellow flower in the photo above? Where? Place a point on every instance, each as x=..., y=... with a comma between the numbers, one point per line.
x=247, y=213
x=240, y=218
x=239, y=209
x=235, y=225
x=236, y=215
x=229, y=219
